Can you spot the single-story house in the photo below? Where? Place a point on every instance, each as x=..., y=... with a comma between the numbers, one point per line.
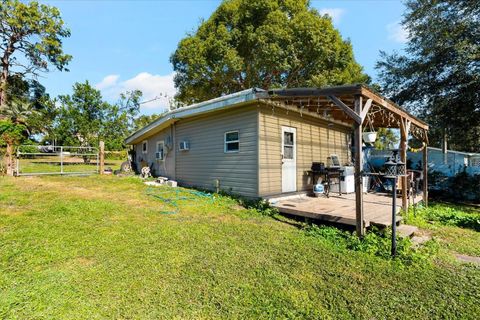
x=260, y=143
x=240, y=144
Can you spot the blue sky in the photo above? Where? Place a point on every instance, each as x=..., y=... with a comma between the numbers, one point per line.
x=125, y=45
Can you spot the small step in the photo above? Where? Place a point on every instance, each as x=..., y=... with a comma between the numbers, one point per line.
x=406, y=231
x=417, y=241
x=467, y=259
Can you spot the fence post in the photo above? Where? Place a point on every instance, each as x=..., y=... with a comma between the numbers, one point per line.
x=9, y=160
x=102, y=156
x=61, y=160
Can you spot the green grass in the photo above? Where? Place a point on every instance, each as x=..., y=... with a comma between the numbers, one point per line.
x=456, y=227
x=52, y=165
x=102, y=247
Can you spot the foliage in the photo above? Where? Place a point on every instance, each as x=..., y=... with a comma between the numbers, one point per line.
x=11, y=133
x=272, y=43
x=461, y=187
x=30, y=39
x=97, y=247
x=117, y=155
x=451, y=215
x=437, y=77
x=456, y=227
x=29, y=104
x=375, y=242
x=465, y=187
x=85, y=119
x=386, y=139
x=143, y=120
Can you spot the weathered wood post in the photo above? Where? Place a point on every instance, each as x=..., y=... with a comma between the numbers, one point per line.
x=425, y=175
x=102, y=157
x=9, y=160
x=404, y=130
x=360, y=223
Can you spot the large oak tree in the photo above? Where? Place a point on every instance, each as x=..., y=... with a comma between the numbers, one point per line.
x=268, y=43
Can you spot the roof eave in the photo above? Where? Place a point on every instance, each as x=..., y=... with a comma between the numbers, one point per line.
x=216, y=104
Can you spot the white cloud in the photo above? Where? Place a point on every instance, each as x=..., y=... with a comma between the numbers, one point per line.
x=397, y=33
x=153, y=86
x=107, y=82
x=334, y=13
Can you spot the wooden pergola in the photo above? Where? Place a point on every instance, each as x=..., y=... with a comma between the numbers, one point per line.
x=357, y=106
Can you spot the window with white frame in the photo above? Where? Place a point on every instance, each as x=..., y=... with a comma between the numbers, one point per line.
x=145, y=146
x=232, y=141
x=160, y=154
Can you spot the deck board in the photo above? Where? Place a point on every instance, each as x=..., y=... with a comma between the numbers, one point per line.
x=341, y=209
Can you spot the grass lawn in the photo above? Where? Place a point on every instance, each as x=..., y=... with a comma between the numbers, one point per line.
x=52, y=164
x=109, y=247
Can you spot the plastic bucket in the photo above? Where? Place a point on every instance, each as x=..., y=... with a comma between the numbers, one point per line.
x=318, y=189
x=369, y=137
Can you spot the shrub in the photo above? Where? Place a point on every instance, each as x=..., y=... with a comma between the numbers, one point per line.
x=116, y=155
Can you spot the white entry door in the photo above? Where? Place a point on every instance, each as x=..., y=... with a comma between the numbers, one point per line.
x=289, y=159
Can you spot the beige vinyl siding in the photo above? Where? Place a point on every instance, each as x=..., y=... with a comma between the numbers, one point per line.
x=206, y=160
x=315, y=142
x=164, y=168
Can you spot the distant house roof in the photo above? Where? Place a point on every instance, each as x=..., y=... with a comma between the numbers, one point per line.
x=337, y=101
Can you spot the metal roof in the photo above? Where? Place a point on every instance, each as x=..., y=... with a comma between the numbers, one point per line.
x=318, y=101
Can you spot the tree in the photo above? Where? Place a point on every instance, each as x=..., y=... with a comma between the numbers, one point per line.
x=438, y=77
x=386, y=139
x=84, y=118
x=271, y=43
x=30, y=39
x=28, y=104
x=143, y=120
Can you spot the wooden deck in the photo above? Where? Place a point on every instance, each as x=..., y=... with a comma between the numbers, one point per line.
x=341, y=209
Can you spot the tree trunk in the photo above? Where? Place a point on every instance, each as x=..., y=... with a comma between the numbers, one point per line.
x=3, y=86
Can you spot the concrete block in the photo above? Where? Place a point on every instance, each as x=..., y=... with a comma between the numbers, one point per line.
x=172, y=183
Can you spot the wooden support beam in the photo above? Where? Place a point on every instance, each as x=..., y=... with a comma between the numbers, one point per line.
x=353, y=114
x=359, y=214
x=365, y=109
x=404, y=131
x=393, y=108
x=425, y=175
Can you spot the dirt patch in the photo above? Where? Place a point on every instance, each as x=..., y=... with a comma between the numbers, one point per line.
x=77, y=262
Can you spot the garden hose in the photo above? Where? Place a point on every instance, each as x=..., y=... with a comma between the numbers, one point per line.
x=159, y=195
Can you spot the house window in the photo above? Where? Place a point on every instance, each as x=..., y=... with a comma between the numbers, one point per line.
x=145, y=146
x=232, y=142
x=160, y=155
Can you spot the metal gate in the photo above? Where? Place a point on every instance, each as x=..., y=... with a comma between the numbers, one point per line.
x=63, y=160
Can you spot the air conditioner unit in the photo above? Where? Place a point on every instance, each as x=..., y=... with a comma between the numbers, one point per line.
x=159, y=155
x=184, y=145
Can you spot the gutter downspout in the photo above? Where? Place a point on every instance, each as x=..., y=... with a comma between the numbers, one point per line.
x=174, y=149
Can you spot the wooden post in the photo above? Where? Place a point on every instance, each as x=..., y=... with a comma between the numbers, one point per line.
x=425, y=175
x=102, y=157
x=360, y=223
x=9, y=159
x=404, y=129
